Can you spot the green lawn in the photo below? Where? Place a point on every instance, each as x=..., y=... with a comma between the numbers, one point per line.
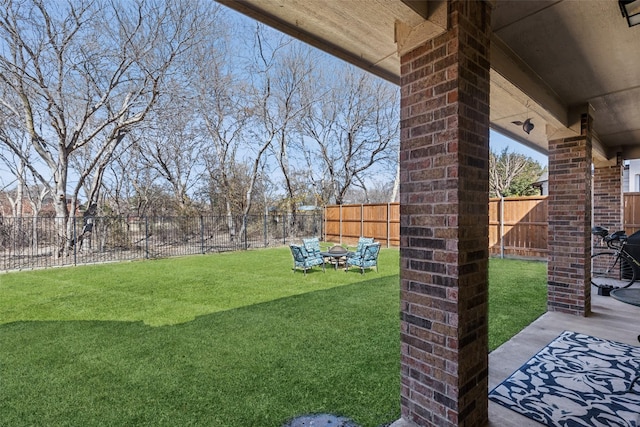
x=230, y=339
x=517, y=296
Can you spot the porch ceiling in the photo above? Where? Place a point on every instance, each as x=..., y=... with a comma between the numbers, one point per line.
x=550, y=58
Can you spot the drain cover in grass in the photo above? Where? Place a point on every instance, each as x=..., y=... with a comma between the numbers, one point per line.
x=320, y=420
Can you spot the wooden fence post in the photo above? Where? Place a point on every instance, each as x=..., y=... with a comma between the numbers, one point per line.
x=388, y=224
x=340, y=219
x=501, y=226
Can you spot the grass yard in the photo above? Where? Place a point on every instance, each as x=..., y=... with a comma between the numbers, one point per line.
x=231, y=339
x=517, y=296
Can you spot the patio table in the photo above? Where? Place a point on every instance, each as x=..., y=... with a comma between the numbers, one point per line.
x=336, y=256
x=628, y=296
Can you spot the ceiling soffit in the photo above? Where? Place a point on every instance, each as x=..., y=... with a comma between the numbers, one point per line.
x=549, y=58
x=366, y=28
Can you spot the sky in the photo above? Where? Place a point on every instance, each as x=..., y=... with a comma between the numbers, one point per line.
x=497, y=142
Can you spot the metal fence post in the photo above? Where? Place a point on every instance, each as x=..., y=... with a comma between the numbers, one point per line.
x=266, y=242
x=244, y=226
x=324, y=223
x=14, y=240
x=146, y=237
x=75, y=246
x=202, y=234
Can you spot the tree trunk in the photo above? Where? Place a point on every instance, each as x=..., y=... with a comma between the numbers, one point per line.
x=62, y=210
x=396, y=185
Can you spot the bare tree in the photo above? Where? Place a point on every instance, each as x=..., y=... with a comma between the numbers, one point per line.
x=290, y=85
x=395, y=192
x=223, y=103
x=15, y=197
x=16, y=165
x=173, y=148
x=355, y=128
x=272, y=115
x=27, y=189
x=240, y=107
x=82, y=74
x=126, y=185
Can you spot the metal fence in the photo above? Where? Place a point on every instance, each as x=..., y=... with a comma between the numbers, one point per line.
x=28, y=243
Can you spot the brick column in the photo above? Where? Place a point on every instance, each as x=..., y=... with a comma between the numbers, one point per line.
x=569, y=210
x=608, y=197
x=444, y=154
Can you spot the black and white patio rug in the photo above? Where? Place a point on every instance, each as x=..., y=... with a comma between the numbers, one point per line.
x=576, y=380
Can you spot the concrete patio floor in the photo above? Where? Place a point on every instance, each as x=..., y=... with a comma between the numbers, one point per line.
x=610, y=319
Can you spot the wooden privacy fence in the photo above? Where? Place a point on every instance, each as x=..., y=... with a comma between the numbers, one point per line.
x=520, y=227
x=517, y=225
x=631, y=212
x=344, y=224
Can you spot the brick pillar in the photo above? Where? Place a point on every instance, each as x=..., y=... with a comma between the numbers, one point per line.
x=608, y=197
x=569, y=210
x=444, y=155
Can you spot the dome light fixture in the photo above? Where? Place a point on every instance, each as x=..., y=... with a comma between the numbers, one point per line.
x=527, y=126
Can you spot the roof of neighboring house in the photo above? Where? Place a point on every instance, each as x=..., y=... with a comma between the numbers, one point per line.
x=542, y=178
x=308, y=208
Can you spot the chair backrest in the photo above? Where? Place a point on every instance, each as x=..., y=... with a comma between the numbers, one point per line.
x=297, y=252
x=312, y=245
x=371, y=252
x=362, y=242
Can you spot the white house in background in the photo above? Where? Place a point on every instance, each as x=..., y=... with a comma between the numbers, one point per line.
x=542, y=184
x=631, y=181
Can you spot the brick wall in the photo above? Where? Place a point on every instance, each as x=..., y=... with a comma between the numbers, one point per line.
x=607, y=197
x=444, y=223
x=569, y=234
